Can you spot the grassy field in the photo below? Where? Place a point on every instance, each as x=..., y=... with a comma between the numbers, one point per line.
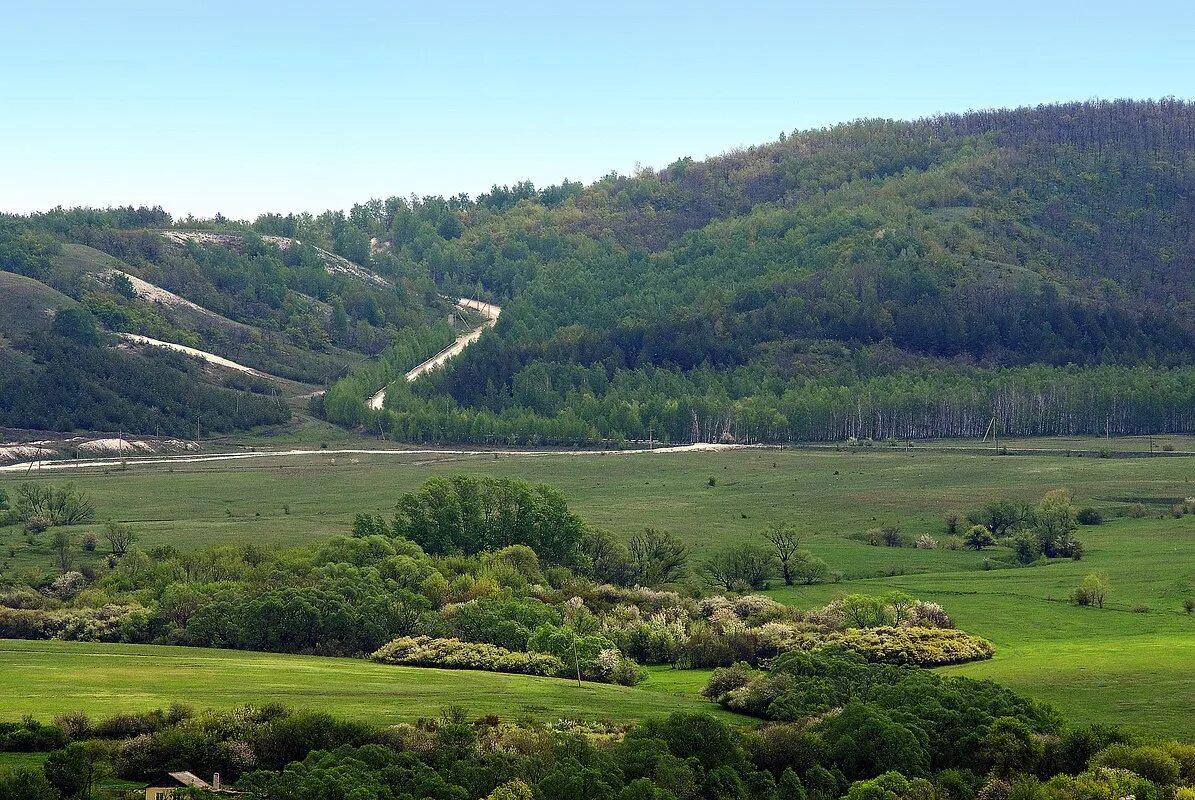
x=1130, y=662
x=49, y=678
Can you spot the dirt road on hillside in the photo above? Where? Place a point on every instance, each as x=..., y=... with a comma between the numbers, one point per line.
x=491, y=313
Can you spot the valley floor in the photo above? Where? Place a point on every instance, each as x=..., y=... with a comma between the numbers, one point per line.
x=1128, y=663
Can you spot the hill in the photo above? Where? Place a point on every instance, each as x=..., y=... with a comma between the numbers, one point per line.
x=266, y=322
x=1029, y=271
x=876, y=279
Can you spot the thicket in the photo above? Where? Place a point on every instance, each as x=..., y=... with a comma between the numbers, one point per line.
x=845, y=729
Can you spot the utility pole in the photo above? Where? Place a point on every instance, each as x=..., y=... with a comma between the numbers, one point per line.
x=577, y=660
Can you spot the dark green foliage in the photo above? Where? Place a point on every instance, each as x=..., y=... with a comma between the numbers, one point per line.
x=875, y=280
x=740, y=568
x=79, y=386
x=944, y=719
x=468, y=514
x=25, y=784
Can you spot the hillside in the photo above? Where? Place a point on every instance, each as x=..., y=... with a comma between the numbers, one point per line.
x=262, y=322
x=876, y=279
x=1029, y=271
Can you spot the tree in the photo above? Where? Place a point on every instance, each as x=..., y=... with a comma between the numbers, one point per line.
x=120, y=537
x=1001, y=516
x=1092, y=591
x=1010, y=746
x=26, y=784
x=74, y=770
x=900, y=604
x=609, y=558
x=807, y=568
x=657, y=557
x=891, y=536
x=745, y=566
x=63, y=545
x=864, y=611
x=469, y=513
x=979, y=537
x=785, y=542
x=78, y=325
x=1054, y=522
x=124, y=287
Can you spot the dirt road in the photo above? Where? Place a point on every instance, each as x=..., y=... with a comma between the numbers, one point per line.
x=38, y=466
x=491, y=313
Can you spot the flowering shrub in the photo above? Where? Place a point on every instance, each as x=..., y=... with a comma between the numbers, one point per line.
x=928, y=615
x=112, y=623
x=926, y=647
x=68, y=584
x=424, y=651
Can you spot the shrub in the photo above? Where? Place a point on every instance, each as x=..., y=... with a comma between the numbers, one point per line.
x=1092, y=591
x=89, y=541
x=67, y=585
x=726, y=679
x=65, y=505
x=952, y=523
x=425, y=651
x=1137, y=511
x=1090, y=516
x=926, y=542
x=891, y=536
x=1189, y=605
x=924, y=647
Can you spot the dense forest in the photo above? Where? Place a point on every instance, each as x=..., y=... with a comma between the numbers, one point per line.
x=877, y=279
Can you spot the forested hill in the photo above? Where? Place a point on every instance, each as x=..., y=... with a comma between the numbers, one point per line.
x=876, y=279
x=84, y=294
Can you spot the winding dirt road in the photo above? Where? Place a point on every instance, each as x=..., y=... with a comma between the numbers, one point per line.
x=491, y=313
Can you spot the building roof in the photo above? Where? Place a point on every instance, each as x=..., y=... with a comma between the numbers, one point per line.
x=188, y=779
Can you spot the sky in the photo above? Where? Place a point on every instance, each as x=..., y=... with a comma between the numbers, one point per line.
x=247, y=107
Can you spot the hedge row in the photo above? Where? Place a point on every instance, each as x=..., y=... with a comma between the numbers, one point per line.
x=425, y=651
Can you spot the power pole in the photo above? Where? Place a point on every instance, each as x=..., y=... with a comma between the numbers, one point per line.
x=577, y=660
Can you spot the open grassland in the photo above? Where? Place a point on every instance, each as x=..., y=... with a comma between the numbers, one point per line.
x=826, y=494
x=1121, y=664
x=49, y=678
x=1132, y=662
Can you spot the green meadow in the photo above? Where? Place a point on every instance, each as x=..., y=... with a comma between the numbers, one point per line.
x=50, y=678
x=1132, y=662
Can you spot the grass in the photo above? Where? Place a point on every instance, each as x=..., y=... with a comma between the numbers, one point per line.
x=49, y=678
x=1112, y=665
x=27, y=304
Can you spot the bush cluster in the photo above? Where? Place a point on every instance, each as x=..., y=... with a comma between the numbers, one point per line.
x=425, y=651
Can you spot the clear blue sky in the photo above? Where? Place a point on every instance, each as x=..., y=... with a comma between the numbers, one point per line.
x=243, y=107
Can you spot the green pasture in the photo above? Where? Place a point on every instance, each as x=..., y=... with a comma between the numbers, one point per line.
x=49, y=678
x=1132, y=662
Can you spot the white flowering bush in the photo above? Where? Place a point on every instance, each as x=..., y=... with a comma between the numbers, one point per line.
x=928, y=615
x=425, y=651
x=67, y=585
x=757, y=607
x=926, y=542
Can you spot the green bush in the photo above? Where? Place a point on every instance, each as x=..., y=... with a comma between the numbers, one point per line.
x=926, y=647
